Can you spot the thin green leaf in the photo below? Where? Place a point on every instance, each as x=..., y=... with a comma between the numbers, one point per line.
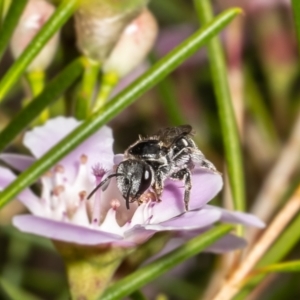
x=296, y=12
x=148, y=273
x=14, y=292
x=137, y=295
x=285, y=242
x=36, y=81
x=258, y=109
x=286, y=267
x=108, y=82
x=60, y=16
x=51, y=93
x=160, y=70
x=226, y=114
x=169, y=100
x=37, y=241
x=10, y=22
x=45, y=281
x=86, y=89
x=2, y=5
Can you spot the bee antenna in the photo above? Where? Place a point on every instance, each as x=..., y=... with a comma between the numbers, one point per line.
x=127, y=197
x=102, y=183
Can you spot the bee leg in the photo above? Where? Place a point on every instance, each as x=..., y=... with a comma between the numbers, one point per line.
x=158, y=185
x=182, y=157
x=185, y=175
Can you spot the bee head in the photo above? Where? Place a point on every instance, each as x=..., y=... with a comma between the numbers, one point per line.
x=135, y=178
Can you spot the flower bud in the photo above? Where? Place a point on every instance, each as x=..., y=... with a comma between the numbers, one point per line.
x=99, y=25
x=35, y=15
x=134, y=44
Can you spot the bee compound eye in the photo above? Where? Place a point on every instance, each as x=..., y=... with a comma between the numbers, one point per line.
x=145, y=180
x=146, y=175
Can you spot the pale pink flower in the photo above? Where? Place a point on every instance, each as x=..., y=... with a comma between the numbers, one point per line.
x=62, y=212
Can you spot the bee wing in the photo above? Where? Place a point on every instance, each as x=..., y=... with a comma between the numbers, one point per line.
x=170, y=135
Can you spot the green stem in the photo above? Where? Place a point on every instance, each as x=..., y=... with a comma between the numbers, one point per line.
x=60, y=16
x=169, y=99
x=296, y=12
x=36, y=80
x=51, y=93
x=18, y=253
x=139, y=278
x=226, y=114
x=1, y=12
x=89, y=268
x=14, y=292
x=10, y=22
x=137, y=295
x=87, y=88
x=117, y=104
x=285, y=242
x=109, y=81
x=259, y=111
x=14, y=234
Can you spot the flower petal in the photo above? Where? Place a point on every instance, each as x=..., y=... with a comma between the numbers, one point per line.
x=98, y=147
x=227, y=243
x=205, y=186
x=118, y=158
x=138, y=234
x=237, y=217
x=17, y=161
x=27, y=197
x=62, y=231
x=188, y=221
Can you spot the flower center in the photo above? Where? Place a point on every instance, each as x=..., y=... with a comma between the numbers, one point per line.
x=66, y=201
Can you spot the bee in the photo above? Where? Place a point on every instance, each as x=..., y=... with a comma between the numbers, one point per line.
x=171, y=153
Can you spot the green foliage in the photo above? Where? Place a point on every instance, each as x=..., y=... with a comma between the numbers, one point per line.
x=146, y=274
x=117, y=104
x=228, y=123
x=72, y=92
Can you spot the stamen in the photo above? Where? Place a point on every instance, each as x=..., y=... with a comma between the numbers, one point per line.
x=46, y=189
x=48, y=174
x=82, y=180
x=59, y=169
x=97, y=204
x=82, y=195
x=115, y=203
x=58, y=190
x=99, y=171
x=110, y=224
x=80, y=215
x=83, y=159
x=58, y=175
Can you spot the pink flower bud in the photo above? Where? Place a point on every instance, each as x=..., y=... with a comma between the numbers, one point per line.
x=134, y=44
x=97, y=36
x=35, y=15
x=99, y=24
